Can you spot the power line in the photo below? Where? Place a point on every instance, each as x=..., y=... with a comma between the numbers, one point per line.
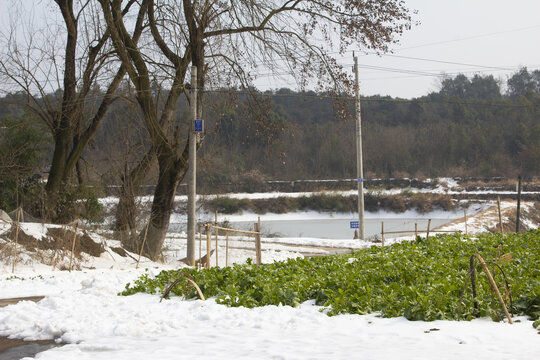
x=448, y=62
x=469, y=38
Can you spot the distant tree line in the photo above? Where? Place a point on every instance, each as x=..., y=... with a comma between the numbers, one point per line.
x=470, y=127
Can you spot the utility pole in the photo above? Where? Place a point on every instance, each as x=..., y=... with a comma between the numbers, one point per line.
x=359, y=165
x=192, y=185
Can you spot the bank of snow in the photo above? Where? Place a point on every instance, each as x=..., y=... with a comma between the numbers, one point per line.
x=82, y=310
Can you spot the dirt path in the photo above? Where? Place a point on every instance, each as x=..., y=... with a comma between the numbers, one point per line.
x=11, y=301
x=13, y=349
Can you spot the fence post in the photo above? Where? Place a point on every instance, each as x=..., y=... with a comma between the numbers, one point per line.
x=208, y=245
x=415, y=230
x=382, y=232
x=428, y=226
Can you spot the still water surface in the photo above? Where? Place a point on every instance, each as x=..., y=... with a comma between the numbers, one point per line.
x=329, y=228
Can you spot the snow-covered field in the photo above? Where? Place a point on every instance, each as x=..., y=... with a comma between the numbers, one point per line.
x=82, y=310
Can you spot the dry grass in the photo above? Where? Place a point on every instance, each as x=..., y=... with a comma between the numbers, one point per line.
x=54, y=249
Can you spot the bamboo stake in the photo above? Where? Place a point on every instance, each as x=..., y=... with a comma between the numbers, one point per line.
x=142, y=246
x=412, y=231
x=200, y=246
x=259, y=228
x=235, y=230
x=382, y=232
x=208, y=246
x=16, y=239
x=500, y=216
x=227, y=249
x=428, y=227
x=518, y=203
x=465, y=213
x=494, y=287
x=73, y=246
x=187, y=278
x=217, y=231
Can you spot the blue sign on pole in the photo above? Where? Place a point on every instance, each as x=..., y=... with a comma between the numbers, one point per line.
x=354, y=225
x=198, y=126
x=360, y=180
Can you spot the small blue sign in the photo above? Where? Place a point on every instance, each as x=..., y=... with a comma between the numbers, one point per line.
x=354, y=225
x=198, y=126
x=360, y=180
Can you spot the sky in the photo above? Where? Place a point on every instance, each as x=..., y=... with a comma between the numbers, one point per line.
x=460, y=36
x=483, y=36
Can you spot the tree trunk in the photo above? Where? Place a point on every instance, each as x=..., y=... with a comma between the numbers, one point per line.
x=169, y=177
x=126, y=211
x=126, y=216
x=55, y=180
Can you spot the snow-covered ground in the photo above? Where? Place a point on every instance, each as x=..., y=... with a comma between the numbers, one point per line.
x=81, y=309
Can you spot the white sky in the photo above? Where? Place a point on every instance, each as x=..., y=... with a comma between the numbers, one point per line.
x=483, y=36
x=490, y=35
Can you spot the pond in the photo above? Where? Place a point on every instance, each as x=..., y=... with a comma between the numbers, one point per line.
x=328, y=228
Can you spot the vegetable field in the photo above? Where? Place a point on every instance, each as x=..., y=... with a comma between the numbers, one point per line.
x=425, y=279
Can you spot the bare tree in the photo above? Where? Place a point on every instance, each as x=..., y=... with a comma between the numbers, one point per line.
x=230, y=41
x=38, y=62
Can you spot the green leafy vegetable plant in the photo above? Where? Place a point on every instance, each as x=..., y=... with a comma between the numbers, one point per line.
x=420, y=280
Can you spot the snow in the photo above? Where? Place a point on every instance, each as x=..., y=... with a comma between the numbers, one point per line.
x=448, y=186
x=82, y=310
x=489, y=218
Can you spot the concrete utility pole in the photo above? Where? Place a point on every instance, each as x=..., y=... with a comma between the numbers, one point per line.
x=192, y=188
x=359, y=165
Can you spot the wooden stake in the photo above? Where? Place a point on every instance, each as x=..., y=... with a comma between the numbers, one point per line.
x=227, y=249
x=500, y=216
x=73, y=246
x=200, y=245
x=518, y=203
x=415, y=230
x=260, y=233
x=208, y=245
x=494, y=286
x=19, y=210
x=258, y=254
x=216, y=230
x=142, y=246
x=428, y=226
x=382, y=232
